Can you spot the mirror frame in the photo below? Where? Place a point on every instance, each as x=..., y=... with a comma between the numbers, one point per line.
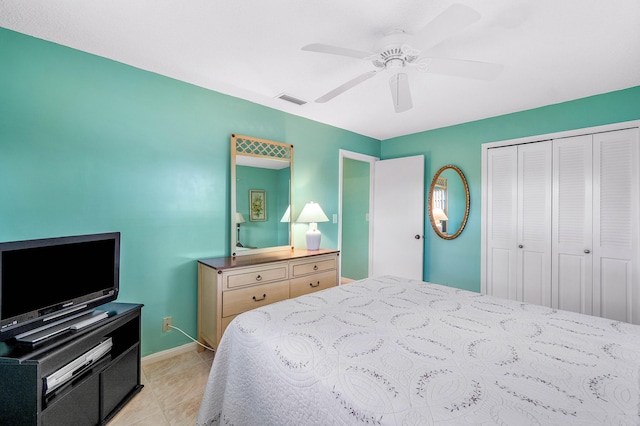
x=430, y=202
x=266, y=149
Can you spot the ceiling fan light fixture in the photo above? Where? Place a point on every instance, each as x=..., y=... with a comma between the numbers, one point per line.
x=394, y=64
x=395, y=57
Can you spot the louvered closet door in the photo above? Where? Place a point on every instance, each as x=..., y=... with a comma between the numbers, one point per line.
x=572, y=286
x=616, y=216
x=502, y=209
x=534, y=223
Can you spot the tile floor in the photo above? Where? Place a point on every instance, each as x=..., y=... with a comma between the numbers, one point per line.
x=172, y=392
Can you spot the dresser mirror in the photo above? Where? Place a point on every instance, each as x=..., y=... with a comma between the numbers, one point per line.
x=261, y=182
x=448, y=202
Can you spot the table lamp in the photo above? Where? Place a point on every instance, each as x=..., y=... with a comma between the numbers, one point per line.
x=312, y=214
x=239, y=220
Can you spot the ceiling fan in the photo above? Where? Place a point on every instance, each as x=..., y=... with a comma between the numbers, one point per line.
x=394, y=53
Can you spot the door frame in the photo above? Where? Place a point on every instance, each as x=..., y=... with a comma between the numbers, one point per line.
x=343, y=153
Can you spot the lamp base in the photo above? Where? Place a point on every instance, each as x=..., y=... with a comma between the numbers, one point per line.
x=313, y=239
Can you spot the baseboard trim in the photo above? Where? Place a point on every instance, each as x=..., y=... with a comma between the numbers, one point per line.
x=169, y=353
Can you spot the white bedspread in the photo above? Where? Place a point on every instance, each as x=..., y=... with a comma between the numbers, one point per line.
x=391, y=351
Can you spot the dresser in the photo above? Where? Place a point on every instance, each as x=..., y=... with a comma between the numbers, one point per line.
x=229, y=286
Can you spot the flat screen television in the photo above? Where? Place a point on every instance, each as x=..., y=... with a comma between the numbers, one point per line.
x=44, y=281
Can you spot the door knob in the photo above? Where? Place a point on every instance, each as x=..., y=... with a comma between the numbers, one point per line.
x=417, y=237
x=587, y=251
x=520, y=246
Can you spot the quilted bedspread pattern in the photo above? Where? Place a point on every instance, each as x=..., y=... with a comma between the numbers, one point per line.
x=392, y=351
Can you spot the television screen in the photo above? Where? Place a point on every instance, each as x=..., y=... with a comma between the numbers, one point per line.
x=47, y=278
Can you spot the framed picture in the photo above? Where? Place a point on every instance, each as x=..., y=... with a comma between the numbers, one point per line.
x=258, y=205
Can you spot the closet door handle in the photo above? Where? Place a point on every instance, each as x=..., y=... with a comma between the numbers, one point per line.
x=587, y=251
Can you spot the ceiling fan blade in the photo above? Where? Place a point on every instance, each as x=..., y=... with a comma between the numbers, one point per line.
x=462, y=68
x=400, y=92
x=445, y=25
x=334, y=50
x=346, y=86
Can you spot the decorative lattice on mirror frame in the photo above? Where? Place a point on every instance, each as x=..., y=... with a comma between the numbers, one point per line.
x=256, y=147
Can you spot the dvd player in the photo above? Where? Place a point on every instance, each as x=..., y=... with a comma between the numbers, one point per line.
x=78, y=365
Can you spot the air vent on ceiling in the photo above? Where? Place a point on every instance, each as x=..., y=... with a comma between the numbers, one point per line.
x=291, y=99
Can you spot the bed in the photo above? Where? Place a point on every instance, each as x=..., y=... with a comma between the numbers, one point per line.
x=393, y=351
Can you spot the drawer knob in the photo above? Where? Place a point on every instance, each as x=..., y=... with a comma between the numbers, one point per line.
x=259, y=277
x=315, y=267
x=264, y=296
x=314, y=285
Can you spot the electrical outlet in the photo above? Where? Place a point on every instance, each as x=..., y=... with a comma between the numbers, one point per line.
x=166, y=323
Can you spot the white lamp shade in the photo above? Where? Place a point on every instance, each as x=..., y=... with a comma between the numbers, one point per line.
x=286, y=217
x=312, y=213
x=239, y=218
x=438, y=214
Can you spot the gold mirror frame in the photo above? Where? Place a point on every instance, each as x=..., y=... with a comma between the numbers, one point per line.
x=434, y=183
x=260, y=150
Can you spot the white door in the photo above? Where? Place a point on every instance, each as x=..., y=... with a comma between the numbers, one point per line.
x=534, y=223
x=616, y=215
x=502, y=224
x=572, y=286
x=596, y=221
x=519, y=223
x=398, y=217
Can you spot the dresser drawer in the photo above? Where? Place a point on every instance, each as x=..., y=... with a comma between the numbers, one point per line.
x=256, y=275
x=244, y=299
x=312, y=266
x=311, y=283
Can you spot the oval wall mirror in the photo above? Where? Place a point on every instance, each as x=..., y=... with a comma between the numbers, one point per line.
x=448, y=202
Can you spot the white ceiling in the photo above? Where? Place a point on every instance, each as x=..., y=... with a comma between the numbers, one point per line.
x=552, y=51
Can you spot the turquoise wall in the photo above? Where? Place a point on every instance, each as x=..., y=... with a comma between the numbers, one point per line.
x=91, y=145
x=457, y=262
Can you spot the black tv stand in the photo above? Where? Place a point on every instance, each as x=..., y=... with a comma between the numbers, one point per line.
x=93, y=395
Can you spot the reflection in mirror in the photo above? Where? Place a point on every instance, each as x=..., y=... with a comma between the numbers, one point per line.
x=261, y=176
x=448, y=202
